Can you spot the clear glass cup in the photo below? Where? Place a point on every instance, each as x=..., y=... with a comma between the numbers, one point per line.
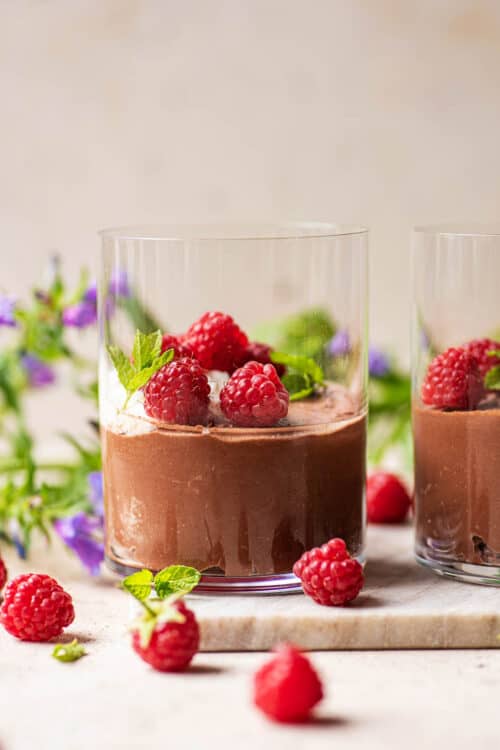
x=456, y=409
x=239, y=503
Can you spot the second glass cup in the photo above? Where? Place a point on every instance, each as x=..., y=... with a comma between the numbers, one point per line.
x=456, y=401
x=236, y=476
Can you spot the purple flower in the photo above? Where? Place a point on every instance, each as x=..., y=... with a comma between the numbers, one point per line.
x=118, y=285
x=91, y=293
x=39, y=373
x=7, y=307
x=340, y=344
x=81, y=315
x=95, y=492
x=378, y=363
x=84, y=535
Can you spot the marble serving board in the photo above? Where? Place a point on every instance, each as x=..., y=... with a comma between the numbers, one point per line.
x=402, y=606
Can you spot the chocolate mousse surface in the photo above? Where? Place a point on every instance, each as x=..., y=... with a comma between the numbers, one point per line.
x=237, y=502
x=457, y=485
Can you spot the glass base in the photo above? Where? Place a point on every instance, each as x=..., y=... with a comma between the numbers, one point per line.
x=484, y=575
x=283, y=583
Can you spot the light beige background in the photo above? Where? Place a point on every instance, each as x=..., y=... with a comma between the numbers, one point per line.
x=384, y=112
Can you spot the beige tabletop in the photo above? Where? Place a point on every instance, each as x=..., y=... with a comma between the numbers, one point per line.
x=111, y=699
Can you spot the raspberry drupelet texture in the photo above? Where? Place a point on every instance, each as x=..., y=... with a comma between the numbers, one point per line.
x=257, y=352
x=169, y=341
x=387, y=499
x=286, y=688
x=453, y=381
x=479, y=349
x=36, y=608
x=217, y=342
x=254, y=396
x=329, y=575
x=172, y=644
x=178, y=393
x=3, y=574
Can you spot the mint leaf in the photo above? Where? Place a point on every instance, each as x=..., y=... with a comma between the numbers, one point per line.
x=176, y=579
x=303, y=374
x=147, y=347
x=139, y=584
x=147, y=359
x=122, y=364
x=68, y=652
x=492, y=379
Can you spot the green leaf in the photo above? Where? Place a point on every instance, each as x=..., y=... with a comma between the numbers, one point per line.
x=492, y=379
x=68, y=652
x=147, y=347
x=139, y=584
x=176, y=579
x=143, y=376
x=302, y=377
x=123, y=366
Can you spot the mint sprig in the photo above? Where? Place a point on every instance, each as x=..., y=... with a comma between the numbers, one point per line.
x=170, y=584
x=176, y=579
x=303, y=376
x=66, y=652
x=492, y=378
x=147, y=358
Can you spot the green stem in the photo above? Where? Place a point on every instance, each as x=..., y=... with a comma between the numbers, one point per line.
x=12, y=466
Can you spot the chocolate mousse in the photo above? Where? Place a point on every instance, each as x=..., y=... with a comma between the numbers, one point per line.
x=457, y=484
x=236, y=502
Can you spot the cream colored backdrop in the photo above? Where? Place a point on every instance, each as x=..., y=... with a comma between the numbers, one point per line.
x=384, y=112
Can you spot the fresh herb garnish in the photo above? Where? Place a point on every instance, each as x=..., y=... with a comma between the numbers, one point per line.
x=176, y=579
x=68, y=651
x=492, y=378
x=147, y=358
x=303, y=376
x=169, y=584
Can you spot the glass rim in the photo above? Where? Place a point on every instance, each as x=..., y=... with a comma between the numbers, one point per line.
x=237, y=231
x=458, y=230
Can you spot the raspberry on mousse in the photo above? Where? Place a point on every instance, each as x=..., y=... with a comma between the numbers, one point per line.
x=254, y=396
x=169, y=341
x=178, y=393
x=217, y=342
x=480, y=349
x=453, y=381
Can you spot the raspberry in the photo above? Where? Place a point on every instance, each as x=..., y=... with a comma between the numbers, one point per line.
x=387, y=499
x=178, y=393
x=453, y=381
x=169, y=341
x=286, y=688
x=3, y=574
x=36, y=608
x=172, y=644
x=329, y=575
x=479, y=350
x=254, y=396
x=217, y=342
x=257, y=352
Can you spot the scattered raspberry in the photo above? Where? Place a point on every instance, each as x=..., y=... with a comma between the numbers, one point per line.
x=169, y=341
x=329, y=575
x=3, y=574
x=173, y=644
x=286, y=688
x=479, y=350
x=257, y=352
x=387, y=499
x=178, y=393
x=254, y=396
x=453, y=381
x=36, y=608
x=217, y=342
